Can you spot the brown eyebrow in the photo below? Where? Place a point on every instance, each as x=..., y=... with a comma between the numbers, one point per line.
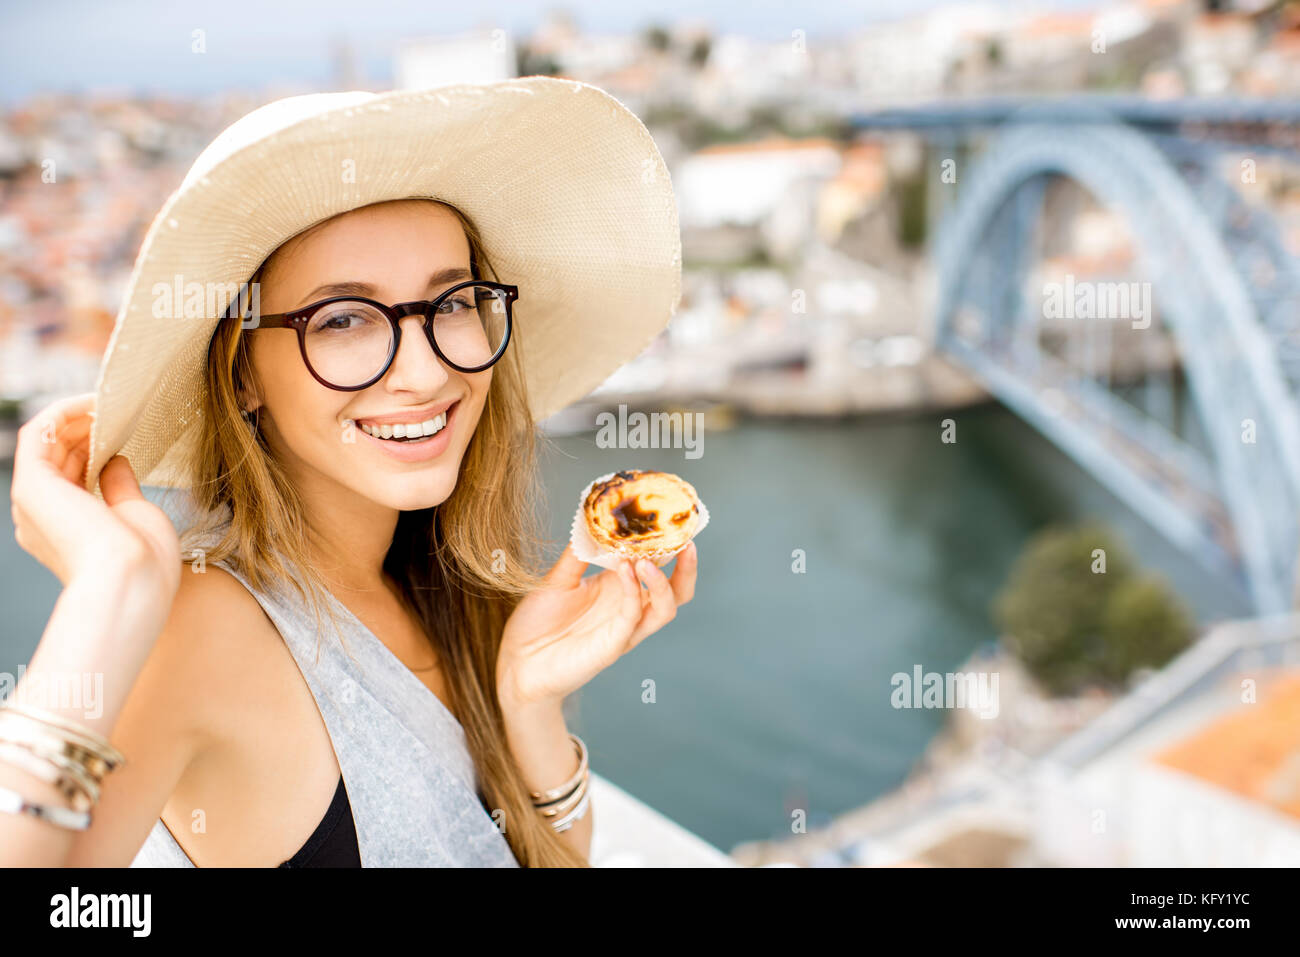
x=443, y=277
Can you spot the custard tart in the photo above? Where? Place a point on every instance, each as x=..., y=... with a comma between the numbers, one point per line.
x=635, y=514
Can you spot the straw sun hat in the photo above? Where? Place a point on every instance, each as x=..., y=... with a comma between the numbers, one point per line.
x=569, y=192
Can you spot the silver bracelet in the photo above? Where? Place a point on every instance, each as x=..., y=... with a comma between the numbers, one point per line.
x=566, y=822
x=11, y=802
x=542, y=798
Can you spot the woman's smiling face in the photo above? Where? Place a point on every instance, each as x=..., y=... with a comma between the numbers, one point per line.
x=391, y=251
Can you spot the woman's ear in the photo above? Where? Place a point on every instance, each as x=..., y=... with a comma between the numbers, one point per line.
x=247, y=402
x=246, y=393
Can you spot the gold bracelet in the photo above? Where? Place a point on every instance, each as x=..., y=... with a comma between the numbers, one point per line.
x=563, y=797
x=59, y=754
x=564, y=823
x=96, y=744
x=547, y=797
x=50, y=746
x=557, y=808
x=37, y=737
x=70, y=780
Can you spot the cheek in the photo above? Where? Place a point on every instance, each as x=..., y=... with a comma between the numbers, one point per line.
x=298, y=404
x=479, y=387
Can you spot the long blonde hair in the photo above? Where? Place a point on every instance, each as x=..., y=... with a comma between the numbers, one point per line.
x=447, y=559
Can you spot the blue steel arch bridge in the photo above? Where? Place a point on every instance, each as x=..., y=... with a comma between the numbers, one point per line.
x=1106, y=383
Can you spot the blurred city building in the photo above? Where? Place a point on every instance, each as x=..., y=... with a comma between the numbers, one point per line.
x=810, y=287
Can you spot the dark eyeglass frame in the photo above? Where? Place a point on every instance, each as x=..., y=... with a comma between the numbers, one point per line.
x=427, y=308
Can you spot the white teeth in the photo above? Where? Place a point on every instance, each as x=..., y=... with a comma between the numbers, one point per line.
x=407, y=430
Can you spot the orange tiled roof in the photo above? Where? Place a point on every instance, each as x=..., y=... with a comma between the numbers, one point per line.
x=1254, y=752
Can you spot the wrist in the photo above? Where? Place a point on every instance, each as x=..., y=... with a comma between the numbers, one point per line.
x=521, y=717
x=515, y=700
x=538, y=737
x=543, y=749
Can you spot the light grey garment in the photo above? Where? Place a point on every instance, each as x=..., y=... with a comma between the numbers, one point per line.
x=408, y=772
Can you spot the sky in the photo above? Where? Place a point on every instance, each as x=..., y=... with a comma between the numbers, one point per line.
x=145, y=45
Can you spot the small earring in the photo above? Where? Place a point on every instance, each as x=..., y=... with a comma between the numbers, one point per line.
x=253, y=418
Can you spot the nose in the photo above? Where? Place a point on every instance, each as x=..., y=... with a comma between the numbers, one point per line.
x=416, y=367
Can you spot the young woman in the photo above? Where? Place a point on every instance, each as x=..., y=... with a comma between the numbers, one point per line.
x=351, y=656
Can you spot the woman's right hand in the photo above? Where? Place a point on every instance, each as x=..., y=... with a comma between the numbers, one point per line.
x=70, y=531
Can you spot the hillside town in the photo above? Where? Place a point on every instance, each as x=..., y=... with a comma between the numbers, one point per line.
x=808, y=288
x=805, y=287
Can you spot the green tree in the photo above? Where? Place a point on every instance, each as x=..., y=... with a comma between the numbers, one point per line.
x=1144, y=626
x=1076, y=611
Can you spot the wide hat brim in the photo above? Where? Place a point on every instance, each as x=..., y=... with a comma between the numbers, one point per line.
x=569, y=192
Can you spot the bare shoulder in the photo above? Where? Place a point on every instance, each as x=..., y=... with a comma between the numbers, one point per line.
x=197, y=672
x=217, y=636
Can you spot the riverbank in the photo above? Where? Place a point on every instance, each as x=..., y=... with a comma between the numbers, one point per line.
x=921, y=821
x=932, y=384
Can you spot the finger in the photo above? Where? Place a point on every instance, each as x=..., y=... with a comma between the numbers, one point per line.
x=117, y=481
x=683, y=580
x=630, y=609
x=61, y=411
x=74, y=467
x=33, y=444
x=661, y=609
x=76, y=428
x=567, y=571
x=72, y=438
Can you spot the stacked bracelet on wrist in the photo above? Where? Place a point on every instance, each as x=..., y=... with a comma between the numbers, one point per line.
x=567, y=803
x=68, y=755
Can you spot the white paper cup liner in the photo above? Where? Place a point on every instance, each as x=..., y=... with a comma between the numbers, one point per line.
x=585, y=547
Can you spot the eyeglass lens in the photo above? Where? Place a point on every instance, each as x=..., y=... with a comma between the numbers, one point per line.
x=348, y=341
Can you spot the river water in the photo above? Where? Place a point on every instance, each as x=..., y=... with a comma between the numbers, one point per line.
x=771, y=690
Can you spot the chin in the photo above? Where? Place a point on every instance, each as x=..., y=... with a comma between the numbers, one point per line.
x=416, y=491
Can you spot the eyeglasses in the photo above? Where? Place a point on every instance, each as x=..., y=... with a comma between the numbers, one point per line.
x=348, y=342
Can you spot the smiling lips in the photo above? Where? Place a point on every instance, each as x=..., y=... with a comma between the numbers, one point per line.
x=408, y=427
x=412, y=430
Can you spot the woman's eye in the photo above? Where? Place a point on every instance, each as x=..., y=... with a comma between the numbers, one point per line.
x=453, y=304
x=338, y=320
